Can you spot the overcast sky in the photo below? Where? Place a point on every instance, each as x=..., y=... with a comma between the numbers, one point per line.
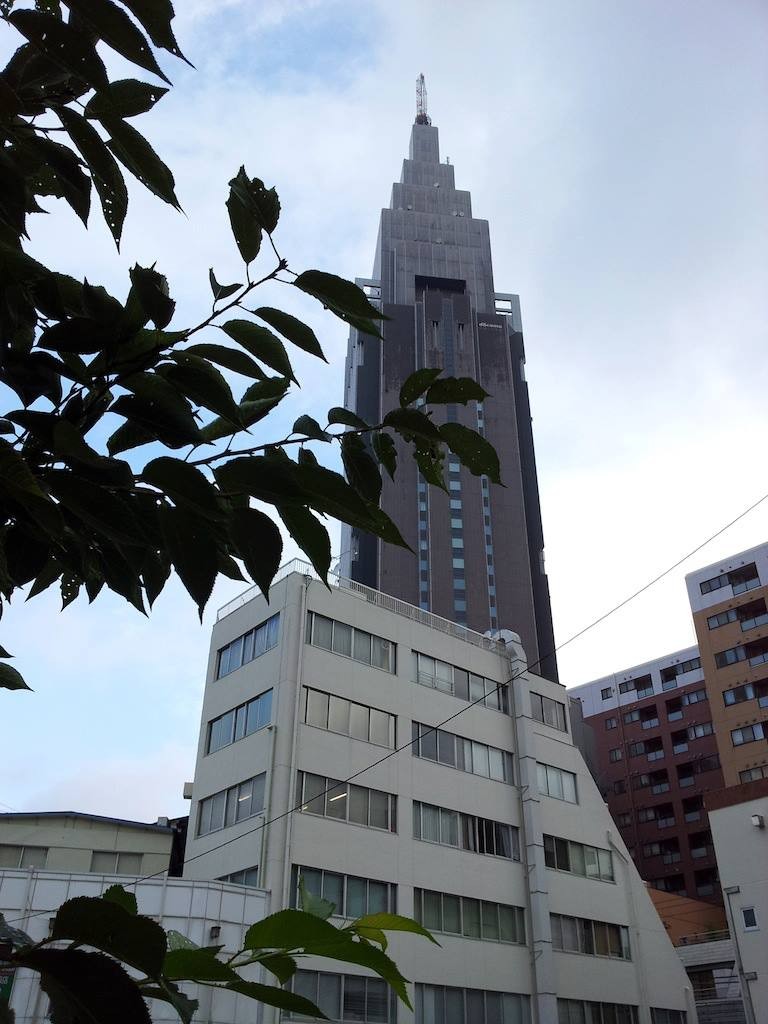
x=619, y=151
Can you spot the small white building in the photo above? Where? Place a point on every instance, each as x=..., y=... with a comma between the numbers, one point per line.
x=738, y=818
x=318, y=756
x=206, y=912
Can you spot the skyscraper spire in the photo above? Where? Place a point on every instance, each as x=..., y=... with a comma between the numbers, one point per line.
x=421, y=101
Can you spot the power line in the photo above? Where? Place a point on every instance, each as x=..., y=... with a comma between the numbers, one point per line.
x=434, y=728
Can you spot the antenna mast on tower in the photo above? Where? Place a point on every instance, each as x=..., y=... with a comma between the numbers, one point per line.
x=421, y=101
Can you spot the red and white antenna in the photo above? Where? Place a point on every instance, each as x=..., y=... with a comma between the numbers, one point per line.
x=421, y=101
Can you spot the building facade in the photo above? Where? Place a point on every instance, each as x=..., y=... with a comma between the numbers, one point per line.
x=657, y=757
x=77, y=842
x=728, y=602
x=739, y=821
x=479, y=548
x=399, y=761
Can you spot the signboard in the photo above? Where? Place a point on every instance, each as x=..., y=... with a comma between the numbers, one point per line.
x=6, y=983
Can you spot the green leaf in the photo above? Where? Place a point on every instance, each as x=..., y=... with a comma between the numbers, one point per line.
x=196, y=965
x=192, y=551
x=309, y=428
x=108, y=513
x=135, y=153
x=349, y=419
x=176, y=940
x=430, y=463
x=294, y=330
x=246, y=228
x=74, y=186
x=455, y=389
x=6, y=427
x=314, y=904
x=126, y=97
x=158, y=407
x=154, y=575
x=221, y=291
x=271, y=996
x=231, y=358
x=10, y=679
x=110, y=927
x=118, y=31
x=343, y=297
x=311, y=536
x=18, y=484
x=289, y=929
x=169, y=993
x=261, y=343
x=67, y=46
x=78, y=334
x=128, y=436
x=4, y=653
x=203, y=384
x=156, y=17
x=258, y=544
x=364, y=955
x=151, y=289
x=416, y=385
x=253, y=409
x=86, y=988
x=261, y=202
x=386, y=452
x=283, y=967
x=410, y=423
x=392, y=923
x=123, y=898
x=184, y=484
x=361, y=470
x=474, y=451
x=105, y=174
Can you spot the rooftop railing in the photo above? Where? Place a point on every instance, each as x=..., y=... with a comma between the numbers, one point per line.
x=375, y=597
x=698, y=937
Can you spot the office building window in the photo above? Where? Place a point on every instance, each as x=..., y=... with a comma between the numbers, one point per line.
x=23, y=857
x=344, y=997
x=626, y=686
x=465, y=831
x=743, y=579
x=458, y=752
x=475, y=919
x=615, y=754
x=557, y=783
x=749, y=918
x=248, y=646
x=623, y=820
x=350, y=642
x=440, y=675
x=595, y=938
x=722, y=618
x=577, y=858
x=753, y=774
x=611, y=723
x=350, y=895
x=550, y=712
x=631, y=716
x=225, y=808
x=248, y=877
x=695, y=732
x=438, y=1004
x=337, y=714
x=578, y=1011
x=606, y=693
x=239, y=722
x=661, y=1016
x=109, y=862
x=619, y=787
x=316, y=794
x=748, y=734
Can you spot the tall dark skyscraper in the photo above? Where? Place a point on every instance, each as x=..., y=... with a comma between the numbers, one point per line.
x=479, y=550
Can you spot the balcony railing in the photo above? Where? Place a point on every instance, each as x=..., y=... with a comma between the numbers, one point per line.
x=697, y=937
x=756, y=620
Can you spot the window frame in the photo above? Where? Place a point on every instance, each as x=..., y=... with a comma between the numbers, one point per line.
x=269, y=629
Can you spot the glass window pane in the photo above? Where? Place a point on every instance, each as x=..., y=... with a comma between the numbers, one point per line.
x=493, y=1010
x=428, y=743
x=358, y=721
x=378, y=810
x=508, y=925
x=305, y=984
x=127, y=863
x=430, y=823
x=322, y=630
x=329, y=995
x=378, y=898
x=555, y=782
x=561, y=852
x=333, y=890
x=317, y=708
x=476, y=687
x=235, y=654
x=313, y=799
x=433, y=910
x=578, y=865
x=362, y=647
x=461, y=683
x=475, y=1010
x=342, y=638
x=252, y=721
x=358, y=804
x=513, y=1010
x=273, y=630
x=452, y=914
x=248, y=647
x=355, y=897
x=244, y=795
x=550, y=857
x=471, y=917
x=446, y=747
x=354, y=998
x=103, y=862
x=489, y=914
x=454, y=1006
x=444, y=676
x=380, y=728
x=260, y=640
x=496, y=758
x=223, y=662
x=381, y=654
x=217, y=810
x=449, y=828
x=591, y=862
x=313, y=882
x=606, y=864
x=338, y=715
x=336, y=800
x=569, y=787
x=377, y=1001
x=480, y=759
x=240, y=718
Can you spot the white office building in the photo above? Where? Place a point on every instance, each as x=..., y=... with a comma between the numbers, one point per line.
x=489, y=830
